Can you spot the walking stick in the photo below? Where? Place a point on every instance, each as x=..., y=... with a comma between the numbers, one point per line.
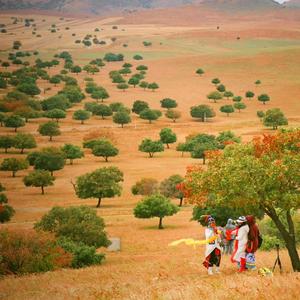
x=277, y=261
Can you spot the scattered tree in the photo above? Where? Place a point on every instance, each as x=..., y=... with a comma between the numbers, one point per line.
x=102, y=183
x=151, y=147
x=215, y=96
x=72, y=152
x=263, y=98
x=39, y=178
x=155, y=206
x=169, y=188
x=202, y=112
x=105, y=149
x=228, y=94
x=274, y=118
x=81, y=115
x=200, y=72
x=50, y=129
x=6, y=142
x=227, y=109
x=168, y=103
x=237, y=99
x=239, y=106
x=121, y=117
x=221, y=88
x=122, y=86
x=216, y=81
x=153, y=86
x=139, y=106
x=249, y=95
x=150, y=114
x=24, y=141
x=14, y=165
x=102, y=110
x=167, y=136
x=173, y=114
x=14, y=121
x=260, y=114
x=145, y=187
x=56, y=114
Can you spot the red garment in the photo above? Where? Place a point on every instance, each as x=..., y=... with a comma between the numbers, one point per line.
x=228, y=234
x=252, y=245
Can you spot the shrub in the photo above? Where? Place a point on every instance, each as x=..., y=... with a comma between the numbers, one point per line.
x=30, y=252
x=83, y=255
x=79, y=224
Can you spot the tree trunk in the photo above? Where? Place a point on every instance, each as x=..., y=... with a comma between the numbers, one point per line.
x=99, y=202
x=122, y=125
x=71, y=161
x=5, y=150
x=22, y=150
x=82, y=122
x=287, y=235
x=50, y=138
x=168, y=146
x=160, y=224
x=14, y=173
x=106, y=158
x=181, y=200
x=16, y=129
x=204, y=160
x=43, y=192
x=51, y=173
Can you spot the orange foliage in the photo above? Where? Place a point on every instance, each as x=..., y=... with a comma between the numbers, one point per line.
x=100, y=134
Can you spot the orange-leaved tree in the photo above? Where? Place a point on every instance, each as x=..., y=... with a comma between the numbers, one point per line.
x=264, y=173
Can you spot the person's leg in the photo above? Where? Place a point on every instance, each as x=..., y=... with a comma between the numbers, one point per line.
x=218, y=260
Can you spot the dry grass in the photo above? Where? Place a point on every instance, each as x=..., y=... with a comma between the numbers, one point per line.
x=147, y=268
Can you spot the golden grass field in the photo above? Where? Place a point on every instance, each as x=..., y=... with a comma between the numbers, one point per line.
x=146, y=268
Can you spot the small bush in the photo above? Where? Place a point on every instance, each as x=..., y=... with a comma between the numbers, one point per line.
x=270, y=242
x=83, y=255
x=30, y=252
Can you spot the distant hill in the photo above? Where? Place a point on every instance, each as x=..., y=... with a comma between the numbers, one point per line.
x=241, y=5
x=108, y=6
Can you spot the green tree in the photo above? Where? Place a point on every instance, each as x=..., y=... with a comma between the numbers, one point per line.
x=27, y=113
x=216, y=81
x=138, y=57
x=55, y=80
x=56, y=114
x=116, y=106
x=139, y=106
x=24, y=141
x=151, y=147
x=260, y=114
x=155, y=206
x=271, y=182
x=144, y=85
x=73, y=93
x=227, y=109
x=257, y=82
x=121, y=117
x=29, y=89
x=221, y=88
x=141, y=68
x=237, y=99
x=173, y=114
x=50, y=159
x=228, y=94
x=215, y=96
x=169, y=187
x=59, y=101
x=133, y=81
x=200, y=72
x=6, y=142
x=102, y=110
x=76, y=69
x=167, y=136
x=81, y=115
x=50, y=129
x=145, y=187
x=153, y=86
x=239, y=106
x=105, y=149
x=6, y=211
x=100, y=94
x=183, y=147
x=263, y=98
x=168, y=103
x=14, y=165
x=150, y=114
x=39, y=178
x=14, y=121
x=79, y=224
x=202, y=112
x=249, y=95
x=274, y=118
x=2, y=118
x=122, y=86
x=102, y=183
x=72, y=152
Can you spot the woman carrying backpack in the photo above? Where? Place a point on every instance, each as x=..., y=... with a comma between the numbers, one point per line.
x=254, y=242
